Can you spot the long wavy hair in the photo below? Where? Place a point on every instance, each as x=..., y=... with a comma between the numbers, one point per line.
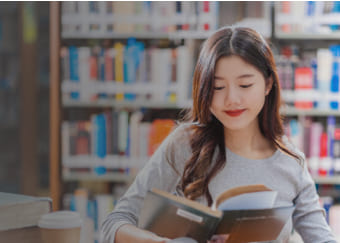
x=207, y=136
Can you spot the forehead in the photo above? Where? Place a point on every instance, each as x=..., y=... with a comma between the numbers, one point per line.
x=234, y=66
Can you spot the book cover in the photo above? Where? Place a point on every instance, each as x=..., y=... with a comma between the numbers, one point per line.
x=19, y=211
x=159, y=130
x=192, y=219
x=27, y=235
x=119, y=67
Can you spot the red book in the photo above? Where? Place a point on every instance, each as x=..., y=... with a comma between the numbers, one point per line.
x=108, y=65
x=303, y=82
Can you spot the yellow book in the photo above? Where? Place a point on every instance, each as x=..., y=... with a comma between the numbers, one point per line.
x=119, y=67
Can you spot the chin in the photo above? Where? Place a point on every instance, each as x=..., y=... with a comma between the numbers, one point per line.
x=234, y=127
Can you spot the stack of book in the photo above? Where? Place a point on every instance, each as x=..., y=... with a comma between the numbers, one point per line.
x=19, y=215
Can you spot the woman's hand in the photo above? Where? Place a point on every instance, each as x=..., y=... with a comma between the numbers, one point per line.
x=218, y=239
x=130, y=233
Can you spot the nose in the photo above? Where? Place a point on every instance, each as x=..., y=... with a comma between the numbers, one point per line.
x=232, y=97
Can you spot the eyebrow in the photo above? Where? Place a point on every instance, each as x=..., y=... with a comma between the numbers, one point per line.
x=239, y=77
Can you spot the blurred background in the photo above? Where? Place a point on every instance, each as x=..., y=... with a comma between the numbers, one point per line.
x=89, y=90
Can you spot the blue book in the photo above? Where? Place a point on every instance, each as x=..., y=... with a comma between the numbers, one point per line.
x=334, y=87
x=74, y=68
x=131, y=56
x=101, y=136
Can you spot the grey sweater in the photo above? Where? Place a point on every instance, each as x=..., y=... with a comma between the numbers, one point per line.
x=280, y=172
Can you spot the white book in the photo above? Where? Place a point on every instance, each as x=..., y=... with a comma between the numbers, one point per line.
x=65, y=140
x=144, y=131
x=104, y=206
x=135, y=120
x=83, y=14
x=84, y=73
x=184, y=72
x=123, y=126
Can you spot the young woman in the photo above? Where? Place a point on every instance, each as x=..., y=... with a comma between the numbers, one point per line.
x=235, y=137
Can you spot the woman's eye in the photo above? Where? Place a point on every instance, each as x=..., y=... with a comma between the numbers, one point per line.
x=246, y=86
x=218, y=87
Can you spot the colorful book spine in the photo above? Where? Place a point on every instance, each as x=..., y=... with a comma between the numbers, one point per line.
x=334, y=84
x=303, y=82
x=119, y=67
x=74, y=68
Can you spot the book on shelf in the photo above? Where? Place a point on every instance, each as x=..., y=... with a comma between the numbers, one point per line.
x=119, y=17
x=114, y=133
x=246, y=213
x=19, y=215
x=145, y=74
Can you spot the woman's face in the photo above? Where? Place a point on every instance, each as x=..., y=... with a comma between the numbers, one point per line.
x=239, y=93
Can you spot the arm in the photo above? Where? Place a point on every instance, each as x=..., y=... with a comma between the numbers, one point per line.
x=130, y=233
x=309, y=218
x=157, y=173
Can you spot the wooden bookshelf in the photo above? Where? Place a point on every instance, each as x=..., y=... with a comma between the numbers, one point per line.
x=55, y=114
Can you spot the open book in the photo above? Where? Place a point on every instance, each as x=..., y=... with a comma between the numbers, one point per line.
x=246, y=213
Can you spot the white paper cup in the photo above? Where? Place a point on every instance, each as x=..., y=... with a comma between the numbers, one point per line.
x=60, y=227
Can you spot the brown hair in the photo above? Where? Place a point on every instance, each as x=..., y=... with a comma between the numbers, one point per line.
x=207, y=136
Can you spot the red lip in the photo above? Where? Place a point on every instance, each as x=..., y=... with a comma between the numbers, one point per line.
x=234, y=113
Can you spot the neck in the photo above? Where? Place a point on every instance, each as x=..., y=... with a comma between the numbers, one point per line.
x=248, y=142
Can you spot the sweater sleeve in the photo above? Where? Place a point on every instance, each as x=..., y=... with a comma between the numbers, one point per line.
x=309, y=218
x=161, y=171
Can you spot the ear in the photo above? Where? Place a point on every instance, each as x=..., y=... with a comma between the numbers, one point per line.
x=269, y=85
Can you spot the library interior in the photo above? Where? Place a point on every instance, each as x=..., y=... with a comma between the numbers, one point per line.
x=90, y=90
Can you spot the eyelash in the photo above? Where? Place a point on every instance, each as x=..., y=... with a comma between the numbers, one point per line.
x=242, y=86
x=246, y=86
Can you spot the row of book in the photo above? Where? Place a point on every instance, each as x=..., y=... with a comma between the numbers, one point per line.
x=138, y=17
x=320, y=17
x=320, y=143
x=117, y=132
x=154, y=68
x=93, y=208
x=314, y=77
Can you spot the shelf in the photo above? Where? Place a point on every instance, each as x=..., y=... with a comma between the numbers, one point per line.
x=113, y=87
x=103, y=19
x=90, y=176
x=142, y=35
x=109, y=162
x=129, y=167
x=290, y=111
x=324, y=19
x=333, y=180
x=308, y=36
x=158, y=91
x=139, y=103
x=287, y=111
x=309, y=95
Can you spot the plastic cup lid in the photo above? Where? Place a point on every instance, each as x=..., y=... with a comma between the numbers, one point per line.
x=60, y=220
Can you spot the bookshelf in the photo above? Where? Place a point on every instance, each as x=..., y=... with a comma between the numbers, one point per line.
x=74, y=33
x=85, y=29
x=117, y=167
x=83, y=101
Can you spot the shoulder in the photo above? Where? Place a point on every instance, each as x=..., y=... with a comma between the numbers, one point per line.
x=180, y=136
x=177, y=146
x=294, y=149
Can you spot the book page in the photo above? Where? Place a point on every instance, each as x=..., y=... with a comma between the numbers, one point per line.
x=252, y=200
x=255, y=196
